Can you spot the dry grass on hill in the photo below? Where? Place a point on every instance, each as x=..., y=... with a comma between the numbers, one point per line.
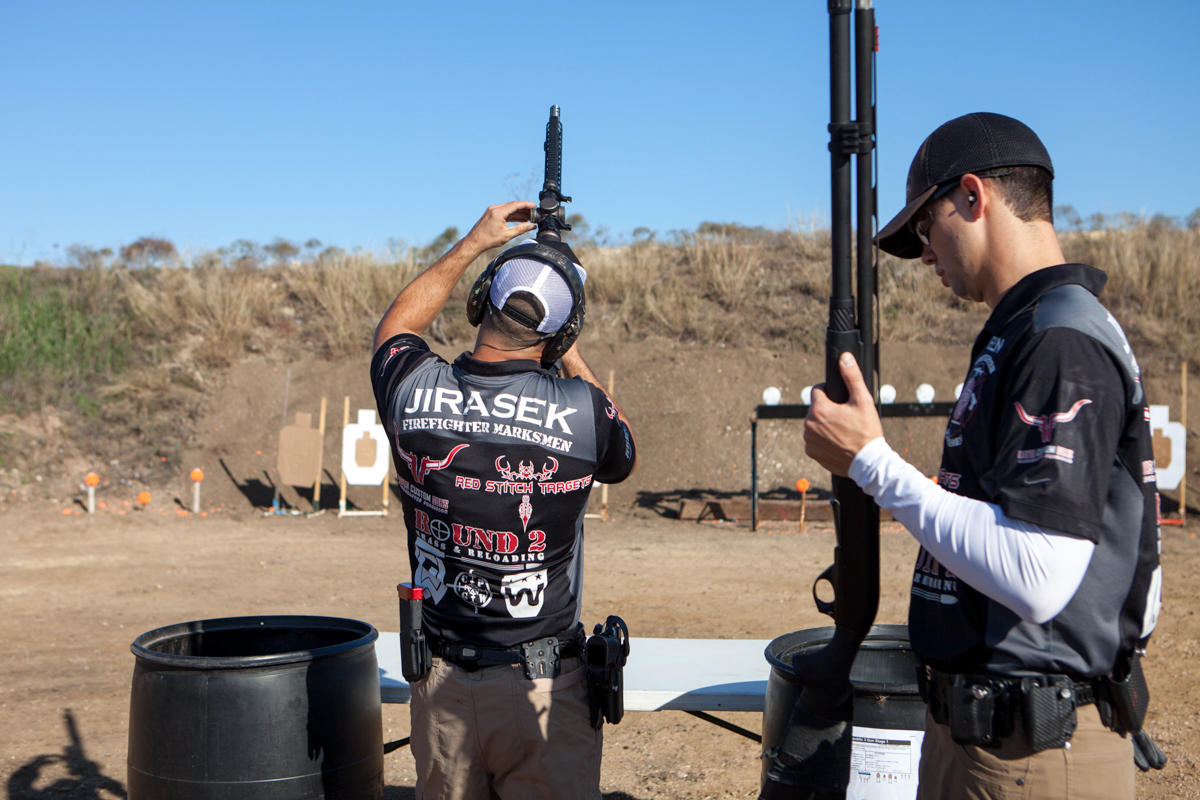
x=134, y=351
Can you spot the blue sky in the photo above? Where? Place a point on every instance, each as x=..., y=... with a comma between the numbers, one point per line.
x=358, y=123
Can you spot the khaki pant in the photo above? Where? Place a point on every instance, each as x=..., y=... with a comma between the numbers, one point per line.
x=1096, y=763
x=493, y=733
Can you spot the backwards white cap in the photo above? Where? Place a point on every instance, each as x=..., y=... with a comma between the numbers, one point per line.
x=543, y=281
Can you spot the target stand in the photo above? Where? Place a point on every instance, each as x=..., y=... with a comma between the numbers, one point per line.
x=800, y=411
x=365, y=458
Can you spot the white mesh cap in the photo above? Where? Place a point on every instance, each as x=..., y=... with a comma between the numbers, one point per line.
x=542, y=281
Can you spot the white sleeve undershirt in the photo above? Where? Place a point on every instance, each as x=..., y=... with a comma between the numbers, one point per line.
x=1033, y=571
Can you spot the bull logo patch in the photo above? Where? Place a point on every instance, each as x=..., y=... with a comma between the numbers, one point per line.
x=420, y=466
x=524, y=593
x=1047, y=422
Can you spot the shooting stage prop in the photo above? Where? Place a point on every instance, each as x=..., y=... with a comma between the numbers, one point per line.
x=197, y=477
x=256, y=707
x=758, y=509
x=603, y=515
x=365, y=458
x=287, y=385
x=91, y=479
x=301, y=452
x=1170, y=447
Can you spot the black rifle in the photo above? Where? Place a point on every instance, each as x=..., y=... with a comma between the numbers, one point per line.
x=813, y=759
x=550, y=217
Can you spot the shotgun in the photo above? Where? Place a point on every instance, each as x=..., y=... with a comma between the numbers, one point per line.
x=812, y=762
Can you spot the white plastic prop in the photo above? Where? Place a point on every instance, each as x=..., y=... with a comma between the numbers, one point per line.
x=365, y=459
x=1169, y=455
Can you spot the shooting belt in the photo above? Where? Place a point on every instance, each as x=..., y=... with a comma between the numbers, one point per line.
x=542, y=658
x=982, y=710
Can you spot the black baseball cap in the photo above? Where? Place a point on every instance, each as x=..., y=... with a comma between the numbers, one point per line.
x=972, y=143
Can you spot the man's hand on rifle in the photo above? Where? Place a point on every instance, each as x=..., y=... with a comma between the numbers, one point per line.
x=492, y=229
x=418, y=305
x=835, y=432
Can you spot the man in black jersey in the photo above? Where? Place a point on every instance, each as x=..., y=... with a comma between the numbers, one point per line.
x=495, y=457
x=1038, y=577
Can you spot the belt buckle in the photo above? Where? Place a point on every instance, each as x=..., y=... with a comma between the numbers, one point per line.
x=541, y=658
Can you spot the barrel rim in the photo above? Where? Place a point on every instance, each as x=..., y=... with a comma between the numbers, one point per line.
x=142, y=644
x=877, y=635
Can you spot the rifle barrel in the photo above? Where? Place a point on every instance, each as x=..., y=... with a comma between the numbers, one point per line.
x=553, y=150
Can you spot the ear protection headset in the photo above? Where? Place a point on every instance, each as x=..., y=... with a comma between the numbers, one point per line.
x=561, y=340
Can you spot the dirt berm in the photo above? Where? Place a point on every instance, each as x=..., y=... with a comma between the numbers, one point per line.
x=76, y=589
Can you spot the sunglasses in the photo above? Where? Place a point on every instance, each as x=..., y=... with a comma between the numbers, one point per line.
x=922, y=220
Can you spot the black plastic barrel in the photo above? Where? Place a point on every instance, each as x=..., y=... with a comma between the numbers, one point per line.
x=884, y=677
x=272, y=708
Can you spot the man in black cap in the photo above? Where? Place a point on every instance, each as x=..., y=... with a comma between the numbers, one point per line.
x=1037, y=580
x=495, y=457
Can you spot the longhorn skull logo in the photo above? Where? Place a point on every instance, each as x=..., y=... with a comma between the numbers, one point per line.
x=524, y=472
x=420, y=466
x=1046, y=423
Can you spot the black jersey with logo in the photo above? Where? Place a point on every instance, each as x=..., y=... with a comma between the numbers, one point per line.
x=1052, y=426
x=495, y=461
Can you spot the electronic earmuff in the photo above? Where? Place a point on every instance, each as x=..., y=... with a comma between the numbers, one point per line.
x=561, y=340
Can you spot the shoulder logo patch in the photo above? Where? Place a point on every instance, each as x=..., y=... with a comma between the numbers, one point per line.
x=1053, y=452
x=1047, y=422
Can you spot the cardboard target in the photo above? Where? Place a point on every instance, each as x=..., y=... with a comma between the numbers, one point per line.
x=365, y=460
x=299, y=452
x=1170, y=447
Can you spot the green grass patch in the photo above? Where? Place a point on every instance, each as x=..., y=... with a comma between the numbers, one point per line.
x=60, y=330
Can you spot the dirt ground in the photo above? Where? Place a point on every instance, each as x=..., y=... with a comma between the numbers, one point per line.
x=76, y=590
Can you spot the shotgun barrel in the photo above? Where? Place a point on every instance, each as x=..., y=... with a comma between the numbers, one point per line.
x=812, y=762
